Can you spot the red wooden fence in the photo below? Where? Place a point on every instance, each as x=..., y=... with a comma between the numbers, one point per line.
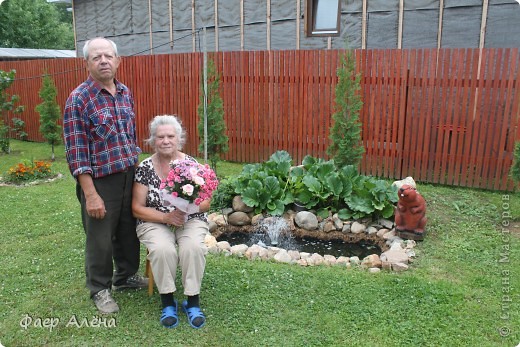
x=448, y=116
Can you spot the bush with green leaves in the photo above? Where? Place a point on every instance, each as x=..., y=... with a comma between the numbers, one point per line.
x=317, y=184
x=320, y=185
x=223, y=196
x=264, y=185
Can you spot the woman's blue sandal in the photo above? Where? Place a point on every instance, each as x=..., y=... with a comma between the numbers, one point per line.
x=193, y=313
x=169, y=313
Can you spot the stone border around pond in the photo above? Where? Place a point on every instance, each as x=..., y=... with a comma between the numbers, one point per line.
x=397, y=254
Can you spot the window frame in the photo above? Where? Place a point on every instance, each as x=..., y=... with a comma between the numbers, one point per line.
x=311, y=9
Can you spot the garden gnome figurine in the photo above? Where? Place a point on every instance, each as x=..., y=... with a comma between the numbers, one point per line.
x=410, y=214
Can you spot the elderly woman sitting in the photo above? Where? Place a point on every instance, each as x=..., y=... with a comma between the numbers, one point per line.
x=168, y=247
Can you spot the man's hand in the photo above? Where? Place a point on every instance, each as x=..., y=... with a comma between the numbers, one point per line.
x=95, y=206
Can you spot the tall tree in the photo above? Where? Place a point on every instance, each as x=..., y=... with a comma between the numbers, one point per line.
x=50, y=113
x=33, y=24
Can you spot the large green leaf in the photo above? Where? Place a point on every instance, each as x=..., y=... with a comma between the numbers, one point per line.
x=304, y=197
x=312, y=183
x=250, y=197
x=349, y=171
x=296, y=172
x=308, y=162
x=388, y=211
x=264, y=197
x=276, y=208
x=250, y=169
x=361, y=204
x=324, y=169
x=281, y=157
x=272, y=186
x=322, y=212
x=378, y=205
x=347, y=186
x=344, y=214
x=279, y=164
x=334, y=184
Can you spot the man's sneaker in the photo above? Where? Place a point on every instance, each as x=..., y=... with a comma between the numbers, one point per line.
x=104, y=302
x=133, y=282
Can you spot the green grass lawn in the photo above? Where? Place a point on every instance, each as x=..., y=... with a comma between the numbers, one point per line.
x=461, y=290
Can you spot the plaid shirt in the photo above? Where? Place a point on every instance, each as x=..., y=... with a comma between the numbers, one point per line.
x=99, y=130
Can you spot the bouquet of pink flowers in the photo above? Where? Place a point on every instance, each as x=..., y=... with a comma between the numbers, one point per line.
x=187, y=185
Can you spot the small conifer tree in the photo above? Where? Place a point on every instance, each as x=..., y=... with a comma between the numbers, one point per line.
x=346, y=147
x=49, y=113
x=217, y=141
x=7, y=104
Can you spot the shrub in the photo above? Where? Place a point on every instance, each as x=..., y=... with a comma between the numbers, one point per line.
x=223, y=196
x=346, y=147
x=28, y=171
x=263, y=185
x=320, y=185
x=272, y=186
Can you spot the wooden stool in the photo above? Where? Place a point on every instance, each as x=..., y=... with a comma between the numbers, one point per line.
x=148, y=273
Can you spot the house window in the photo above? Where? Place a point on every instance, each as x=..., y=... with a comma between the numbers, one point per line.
x=322, y=17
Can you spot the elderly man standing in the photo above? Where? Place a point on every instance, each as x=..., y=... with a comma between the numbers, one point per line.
x=102, y=152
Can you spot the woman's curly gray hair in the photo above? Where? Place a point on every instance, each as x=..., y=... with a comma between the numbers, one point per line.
x=172, y=120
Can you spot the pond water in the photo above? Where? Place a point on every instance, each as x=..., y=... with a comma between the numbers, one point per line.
x=335, y=247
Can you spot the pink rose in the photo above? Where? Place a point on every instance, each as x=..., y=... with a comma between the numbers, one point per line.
x=187, y=189
x=198, y=180
x=193, y=171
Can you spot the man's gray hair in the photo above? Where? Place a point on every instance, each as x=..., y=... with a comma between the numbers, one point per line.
x=85, y=47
